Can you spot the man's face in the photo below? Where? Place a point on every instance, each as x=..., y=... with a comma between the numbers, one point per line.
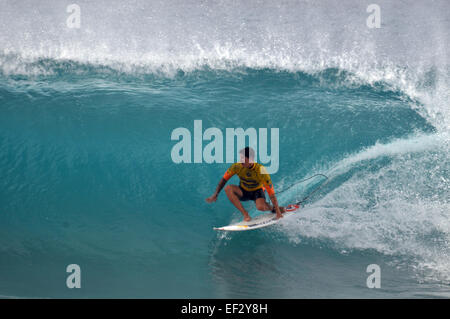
x=246, y=162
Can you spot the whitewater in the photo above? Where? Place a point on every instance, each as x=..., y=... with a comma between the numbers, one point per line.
x=87, y=178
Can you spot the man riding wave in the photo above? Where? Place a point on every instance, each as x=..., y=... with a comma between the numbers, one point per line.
x=254, y=180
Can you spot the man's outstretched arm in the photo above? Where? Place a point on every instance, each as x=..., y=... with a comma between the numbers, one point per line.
x=228, y=174
x=219, y=187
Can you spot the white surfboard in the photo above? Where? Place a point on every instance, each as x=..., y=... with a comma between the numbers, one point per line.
x=260, y=221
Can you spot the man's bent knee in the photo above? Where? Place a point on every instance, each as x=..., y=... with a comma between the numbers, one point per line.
x=228, y=189
x=261, y=206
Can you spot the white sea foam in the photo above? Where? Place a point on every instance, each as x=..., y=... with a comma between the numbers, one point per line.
x=401, y=209
x=410, y=52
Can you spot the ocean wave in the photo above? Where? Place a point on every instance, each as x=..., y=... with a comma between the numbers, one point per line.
x=422, y=86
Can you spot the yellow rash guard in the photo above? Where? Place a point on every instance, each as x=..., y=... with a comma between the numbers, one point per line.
x=252, y=178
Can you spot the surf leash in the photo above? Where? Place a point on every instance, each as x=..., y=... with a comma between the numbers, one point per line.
x=313, y=191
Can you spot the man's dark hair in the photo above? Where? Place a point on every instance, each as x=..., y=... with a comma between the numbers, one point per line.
x=248, y=152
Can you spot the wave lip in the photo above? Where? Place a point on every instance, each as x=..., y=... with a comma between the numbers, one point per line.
x=427, y=86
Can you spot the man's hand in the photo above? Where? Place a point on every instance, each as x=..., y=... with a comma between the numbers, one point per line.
x=274, y=200
x=211, y=199
x=279, y=215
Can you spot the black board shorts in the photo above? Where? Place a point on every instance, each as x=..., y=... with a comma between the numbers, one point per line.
x=251, y=195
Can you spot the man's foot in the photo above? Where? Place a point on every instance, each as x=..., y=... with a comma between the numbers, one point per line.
x=247, y=218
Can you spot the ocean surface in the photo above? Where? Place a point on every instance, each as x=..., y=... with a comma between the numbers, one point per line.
x=87, y=177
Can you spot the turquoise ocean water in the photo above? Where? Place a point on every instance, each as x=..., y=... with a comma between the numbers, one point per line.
x=87, y=178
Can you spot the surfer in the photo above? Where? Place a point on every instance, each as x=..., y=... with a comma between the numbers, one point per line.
x=254, y=179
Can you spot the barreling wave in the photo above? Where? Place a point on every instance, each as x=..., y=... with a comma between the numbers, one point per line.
x=86, y=117
x=422, y=86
